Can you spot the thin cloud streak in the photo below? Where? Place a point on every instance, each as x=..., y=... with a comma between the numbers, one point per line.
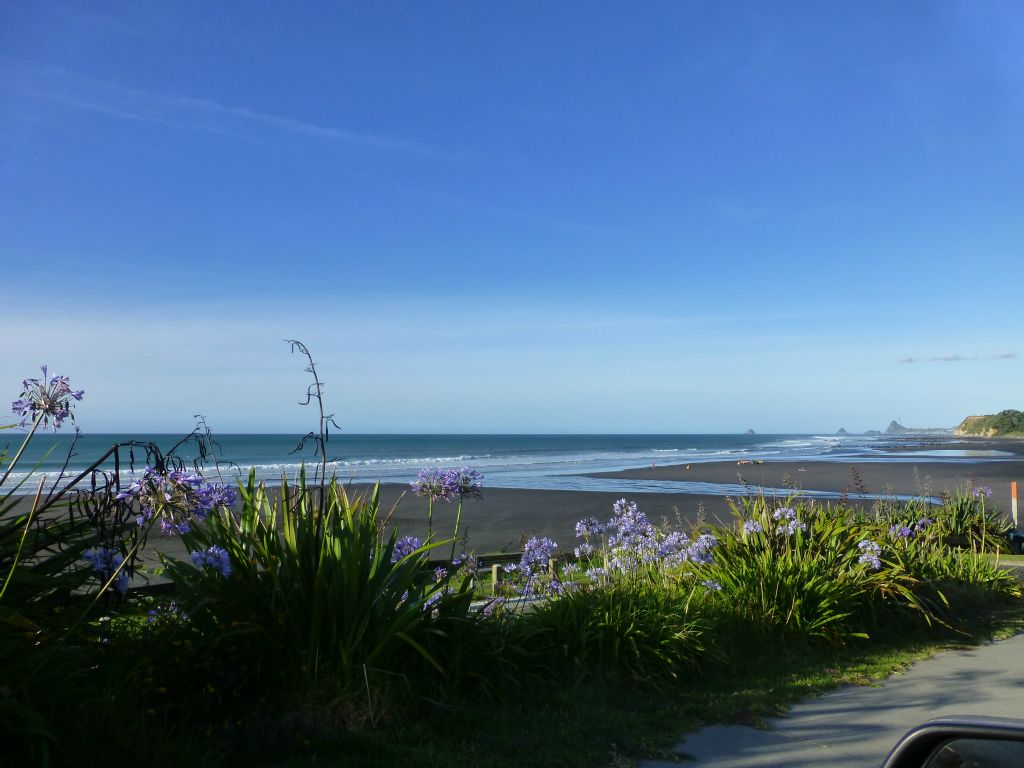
x=956, y=358
x=83, y=92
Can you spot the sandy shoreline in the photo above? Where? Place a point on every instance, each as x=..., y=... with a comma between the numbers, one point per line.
x=505, y=516
x=500, y=521
x=876, y=477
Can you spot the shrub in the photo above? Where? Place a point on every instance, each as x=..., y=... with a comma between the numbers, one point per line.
x=804, y=570
x=966, y=521
x=313, y=588
x=626, y=628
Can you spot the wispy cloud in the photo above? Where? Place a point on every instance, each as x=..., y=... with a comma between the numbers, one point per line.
x=951, y=357
x=79, y=91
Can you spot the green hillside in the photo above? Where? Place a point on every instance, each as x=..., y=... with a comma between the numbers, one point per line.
x=1007, y=423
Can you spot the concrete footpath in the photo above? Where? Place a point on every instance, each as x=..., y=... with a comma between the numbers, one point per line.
x=856, y=726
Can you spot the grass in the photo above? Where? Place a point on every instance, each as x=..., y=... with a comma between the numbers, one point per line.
x=1005, y=559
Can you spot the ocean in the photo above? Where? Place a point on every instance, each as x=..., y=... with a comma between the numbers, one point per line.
x=552, y=462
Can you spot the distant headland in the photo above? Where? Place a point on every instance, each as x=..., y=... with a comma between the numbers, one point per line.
x=1008, y=423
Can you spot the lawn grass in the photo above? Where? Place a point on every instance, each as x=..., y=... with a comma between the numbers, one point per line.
x=1015, y=560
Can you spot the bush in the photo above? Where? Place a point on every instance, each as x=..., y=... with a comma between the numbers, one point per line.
x=311, y=586
x=631, y=629
x=802, y=570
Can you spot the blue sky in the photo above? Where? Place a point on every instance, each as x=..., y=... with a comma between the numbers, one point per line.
x=482, y=217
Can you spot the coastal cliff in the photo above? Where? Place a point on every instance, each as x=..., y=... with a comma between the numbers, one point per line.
x=1008, y=423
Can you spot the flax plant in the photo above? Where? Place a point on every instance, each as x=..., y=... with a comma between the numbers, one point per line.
x=320, y=590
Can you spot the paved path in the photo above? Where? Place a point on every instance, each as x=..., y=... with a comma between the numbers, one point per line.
x=856, y=726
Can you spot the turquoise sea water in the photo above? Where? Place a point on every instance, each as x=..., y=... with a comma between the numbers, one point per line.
x=511, y=461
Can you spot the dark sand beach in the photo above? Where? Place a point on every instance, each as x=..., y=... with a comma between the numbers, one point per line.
x=500, y=521
x=911, y=478
x=504, y=516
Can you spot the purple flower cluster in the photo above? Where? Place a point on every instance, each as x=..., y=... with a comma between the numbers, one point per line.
x=589, y=526
x=467, y=564
x=675, y=548
x=493, y=607
x=700, y=551
x=711, y=585
x=532, y=567
x=752, y=526
x=432, y=483
x=105, y=561
x=631, y=541
x=177, y=496
x=789, y=522
x=980, y=491
x=404, y=547
x=47, y=398
x=431, y=603
x=869, y=553
x=215, y=558
x=449, y=484
x=166, y=613
x=536, y=554
x=631, y=537
x=901, y=532
x=583, y=550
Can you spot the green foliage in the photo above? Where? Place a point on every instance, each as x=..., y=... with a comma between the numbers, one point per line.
x=313, y=589
x=1008, y=422
x=641, y=631
x=42, y=579
x=808, y=583
x=967, y=522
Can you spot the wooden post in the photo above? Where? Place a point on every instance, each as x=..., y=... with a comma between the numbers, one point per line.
x=1013, y=501
x=495, y=577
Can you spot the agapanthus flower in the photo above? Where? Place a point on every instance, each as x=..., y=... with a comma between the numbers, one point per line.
x=784, y=513
x=700, y=551
x=215, y=558
x=901, y=532
x=596, y=573
x=464, y=483
x=210, y=496
x=791, y=527
x=105, y=561
x=536, y=554
x=632, y=538
x=494, y=605
x=178, y=497
x=432, y=601
x=404, y=547
x=589, y=526
x=531, y=588
x=752, y=526
x=869, y=553
x=790, y=524
x=980, y=491
x=922, y=524
x=583, y=550
x=435, y=484
x=48, y=398
x=169, y=612
x=570, y=569
x=673, y=549
x=711, y=585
